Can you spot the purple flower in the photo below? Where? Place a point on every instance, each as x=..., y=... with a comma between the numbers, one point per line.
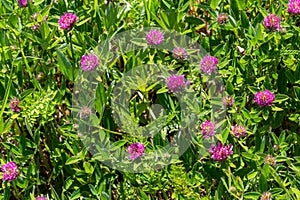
x=136, y=150
x=22, y=3
x=272, y=22
x=9, y=171
x=264, y=98
x=266, y=196
x=179, y=53
x=208, y=64
x=85, y=112
x=221, y=152
x=154, y=37
x=208, y=129
x=228, y=101
x=222, y=18
x=89, y=62
x=177, y=83
x=35, y=27
x=269, y=159
x=67, y=21
x=239, y=131
x=14, y=104
x=294, y=7
x=40, y=198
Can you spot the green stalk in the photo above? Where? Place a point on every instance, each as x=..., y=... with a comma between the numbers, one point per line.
x=72, y=50
x=69, y=41
x=34, y=81
x=6, y=94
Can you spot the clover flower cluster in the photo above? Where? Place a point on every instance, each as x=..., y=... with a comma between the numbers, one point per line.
x=272, y=22
x=89, y=62
x=9, y=171
x=221, y=152
x=136, y=151
x=154, y=37
x=208, y=129
x=176, y=83
x=239, y=131
x=67, y=21
x=264, y=98
x=14, y=104
x=294, y=7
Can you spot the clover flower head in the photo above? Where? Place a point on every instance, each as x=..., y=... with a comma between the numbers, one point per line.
x=209, y=64
x=176, y=83
x=22, y=3
x=136, y=150
x=89, y=62
x=14, y=104
x=208, y=129
x=272, y=22
x=221, y=152
x=222, y=18
x=239, y=131
x=228, y=101
x=40, y=198
x=9, y=171
x=155, y=37
x=294, y=7
x=266, y=196
x=67, y=21
x=264, y=98
x=269, y=159
x=85, y=112
x=180, y=53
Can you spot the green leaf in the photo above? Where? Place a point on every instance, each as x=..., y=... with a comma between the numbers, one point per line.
x=214, y=4
x=296, y=192
x=88, y=168
x=100, y=100
x=68, y=183
x=72, y=160
x=252, y=195
x=118, y=144
x=274, y=108
x=280, y=98
x=65, y=65
x=76, y=194
x=229, y=88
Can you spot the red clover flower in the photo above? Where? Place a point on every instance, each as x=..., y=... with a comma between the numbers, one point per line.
x=294, y=7
x=67, y=21
x=177, y=83
x=239, y=131
x=222, y=18
x=272, y=22
x=154, y=37
x=228, y=101
x=266, y=196
x=264, y=98
x=85, y=112
x=22, y=3
x=89, y=62
x=208, y=129
x=180, y=53
x=221, y=152
x=208, y=64
x=14, y=104
x=136, y=150
x=10, y=171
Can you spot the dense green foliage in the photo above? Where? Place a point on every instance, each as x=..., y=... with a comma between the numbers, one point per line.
x=41, y=66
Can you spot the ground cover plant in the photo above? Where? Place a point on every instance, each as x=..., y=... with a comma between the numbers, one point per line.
x=171, y=99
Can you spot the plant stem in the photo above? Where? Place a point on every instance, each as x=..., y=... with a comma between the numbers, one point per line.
x=6, y=93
